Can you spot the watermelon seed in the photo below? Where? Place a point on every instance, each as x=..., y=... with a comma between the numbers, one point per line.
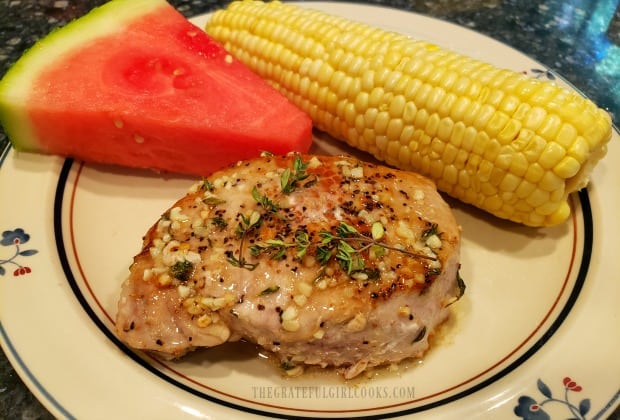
x=118, y=124
x=138, y=139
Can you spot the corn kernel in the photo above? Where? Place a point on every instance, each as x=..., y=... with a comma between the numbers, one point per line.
x=567, y=167
x=551, y=155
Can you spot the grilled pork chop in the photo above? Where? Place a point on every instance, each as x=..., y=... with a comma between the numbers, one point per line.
x=322, y=260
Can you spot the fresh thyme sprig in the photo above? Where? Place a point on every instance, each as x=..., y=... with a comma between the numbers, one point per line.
x=246, y=225
x=290, y=178
x=346, y=245
x=277, y=247
x=262, y=199
x=349, y=256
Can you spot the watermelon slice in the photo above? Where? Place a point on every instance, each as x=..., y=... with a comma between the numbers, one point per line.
x=134, y=83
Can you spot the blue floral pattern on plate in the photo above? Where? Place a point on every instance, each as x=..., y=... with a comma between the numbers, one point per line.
x=15, y=238
x=530, y=409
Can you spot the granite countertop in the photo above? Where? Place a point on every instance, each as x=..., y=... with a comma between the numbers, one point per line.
x=574, y=38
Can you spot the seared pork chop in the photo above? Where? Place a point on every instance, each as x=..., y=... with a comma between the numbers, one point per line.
x=322, y=260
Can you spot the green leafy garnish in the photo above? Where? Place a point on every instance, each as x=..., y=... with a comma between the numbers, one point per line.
x=213, y=201
x=348, y=254
x=182, y=270
x=246, y=225
x=264, y=201
x=290, y=178
x=207, y=185
x=269, y=290
x=219, y=222
x=277, y=247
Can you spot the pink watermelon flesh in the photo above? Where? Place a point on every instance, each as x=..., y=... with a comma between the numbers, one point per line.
x=161, y=94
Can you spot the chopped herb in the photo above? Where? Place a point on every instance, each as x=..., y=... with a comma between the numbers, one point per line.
x=264, y=201
x=207, y=185
x=240, y=262
x=213, y=201
x=246, y=225
x=269, y=290
x=324, y=254
x=287, y=365
x=346, y=245
x=290, y=178
x=303, y=242
x=219, y=222
x=348, y=255
x=182, y=270
x=277, y=247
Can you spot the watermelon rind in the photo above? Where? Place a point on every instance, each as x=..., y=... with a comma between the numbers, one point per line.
x=15, y=86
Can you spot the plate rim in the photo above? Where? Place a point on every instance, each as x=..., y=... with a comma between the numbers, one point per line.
x=5, y=340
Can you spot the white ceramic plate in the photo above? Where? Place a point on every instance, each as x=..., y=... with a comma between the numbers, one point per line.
x=536, y=330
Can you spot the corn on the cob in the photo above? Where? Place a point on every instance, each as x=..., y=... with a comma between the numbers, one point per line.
x=508, y=144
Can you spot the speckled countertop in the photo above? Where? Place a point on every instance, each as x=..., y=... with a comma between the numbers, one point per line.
x=578, y=39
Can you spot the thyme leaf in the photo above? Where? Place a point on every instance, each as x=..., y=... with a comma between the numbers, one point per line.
x=246, y=224
x=207, y=185
x=219, y=222
x=269, y=290
x=290, y=178
x=240, y=262
x=264, y=201
x=213, y=201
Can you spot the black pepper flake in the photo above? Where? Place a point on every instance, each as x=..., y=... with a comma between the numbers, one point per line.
x=159, y=342
x=261, y=307
x=420, y=335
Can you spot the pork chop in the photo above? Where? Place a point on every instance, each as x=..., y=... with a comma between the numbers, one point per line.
x=321, y=260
